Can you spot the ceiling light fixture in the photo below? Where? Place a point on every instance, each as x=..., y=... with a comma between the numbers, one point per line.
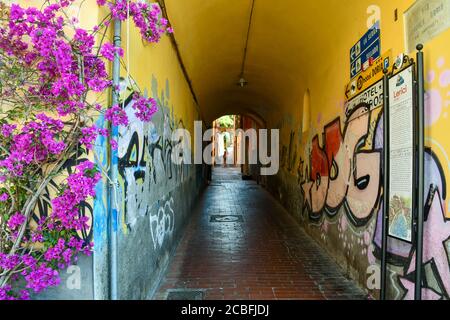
x=242, y=82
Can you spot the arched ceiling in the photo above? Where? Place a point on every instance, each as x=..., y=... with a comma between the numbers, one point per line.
x=287, y=38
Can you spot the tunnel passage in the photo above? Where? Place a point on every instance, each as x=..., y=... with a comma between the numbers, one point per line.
x=242, y=244
x=290, y=61
x=285, y=65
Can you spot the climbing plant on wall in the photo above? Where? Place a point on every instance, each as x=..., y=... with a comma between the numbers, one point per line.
x=51, y=74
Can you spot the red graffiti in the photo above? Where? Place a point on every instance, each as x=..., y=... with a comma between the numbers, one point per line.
x=342, y=171
x=333, y=142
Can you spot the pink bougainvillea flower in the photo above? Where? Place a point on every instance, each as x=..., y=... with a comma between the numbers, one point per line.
x=108, y=51
x=16, y=220
x=117, y=116
x=114, y=144
x=145, y=108
x=62, y=68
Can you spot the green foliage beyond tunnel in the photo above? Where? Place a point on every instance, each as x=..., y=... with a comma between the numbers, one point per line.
x=226, y=122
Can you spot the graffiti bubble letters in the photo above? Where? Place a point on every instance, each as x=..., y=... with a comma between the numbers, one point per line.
x=162, y=223
x=342, y=172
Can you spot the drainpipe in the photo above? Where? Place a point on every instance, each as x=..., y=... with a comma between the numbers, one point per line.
x=113, y=172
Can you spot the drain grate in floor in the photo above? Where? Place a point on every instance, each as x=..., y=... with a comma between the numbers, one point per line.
x=226, y=218
x=184, y=294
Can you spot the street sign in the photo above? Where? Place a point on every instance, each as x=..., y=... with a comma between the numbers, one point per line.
x=368, y=77
x=367, y=39
x=372, y=52
x=373, y=96
x=355, y=68
x=368, y=47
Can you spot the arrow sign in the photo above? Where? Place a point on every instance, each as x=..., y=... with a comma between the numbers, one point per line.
x=355, y=68
x=367, y=47
x=367, y=78
x=355, y=51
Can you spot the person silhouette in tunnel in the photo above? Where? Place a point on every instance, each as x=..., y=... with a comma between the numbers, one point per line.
x=225, y=155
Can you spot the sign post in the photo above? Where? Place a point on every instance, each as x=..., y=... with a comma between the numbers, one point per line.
x=420, y=171
x=403, y=161
x=385, y=218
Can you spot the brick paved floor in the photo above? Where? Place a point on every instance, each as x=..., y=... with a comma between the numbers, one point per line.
x=223, y=174
x=267, y=256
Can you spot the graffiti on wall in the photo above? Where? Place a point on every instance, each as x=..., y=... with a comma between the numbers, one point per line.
x=341, y=184
x=288, y=155
x=144, y=161
x=162, y=222
x=344, y=171
x=436, y=102
x=146, y=170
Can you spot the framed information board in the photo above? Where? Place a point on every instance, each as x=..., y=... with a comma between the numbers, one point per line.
x=401, y=154
x=424, y=20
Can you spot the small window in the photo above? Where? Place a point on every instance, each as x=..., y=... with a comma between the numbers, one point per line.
x=306, y=111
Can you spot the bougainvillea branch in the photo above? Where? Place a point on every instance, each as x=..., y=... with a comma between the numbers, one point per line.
x=48, y=68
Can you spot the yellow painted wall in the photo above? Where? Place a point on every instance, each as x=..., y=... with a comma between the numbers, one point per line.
x=144, y=238
x=330, y=76
x=156, y=196
x=160, y=61
x=156, y=71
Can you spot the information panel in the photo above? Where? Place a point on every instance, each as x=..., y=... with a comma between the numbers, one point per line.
x=425, y=20
x=401, y=149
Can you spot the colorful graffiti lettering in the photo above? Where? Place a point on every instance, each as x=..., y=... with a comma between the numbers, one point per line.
x=345, y=174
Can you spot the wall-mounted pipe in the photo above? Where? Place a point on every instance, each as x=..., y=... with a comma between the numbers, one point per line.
x=113, y=171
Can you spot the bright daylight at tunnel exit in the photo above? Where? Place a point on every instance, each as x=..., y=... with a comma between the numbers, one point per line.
x=240, y=151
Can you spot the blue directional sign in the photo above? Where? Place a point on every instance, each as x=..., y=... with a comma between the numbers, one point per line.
x=367, y=47
x=373, y=51
x=355, y=68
